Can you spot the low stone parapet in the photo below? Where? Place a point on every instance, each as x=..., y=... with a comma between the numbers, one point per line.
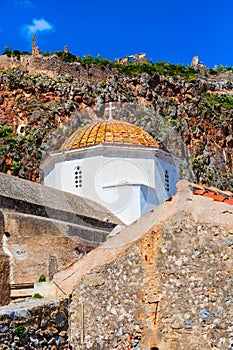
x=35, y=324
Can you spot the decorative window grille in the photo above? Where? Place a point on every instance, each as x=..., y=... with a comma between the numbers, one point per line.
x=166, y=181
x=78, y=177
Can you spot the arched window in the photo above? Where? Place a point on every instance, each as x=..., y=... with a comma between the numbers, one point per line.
x=78, y=176
x=166, y=181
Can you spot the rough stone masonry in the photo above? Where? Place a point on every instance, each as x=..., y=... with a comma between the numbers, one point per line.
x=43, y=231
x=4, y=268
x=35, y=324
x=163, y=283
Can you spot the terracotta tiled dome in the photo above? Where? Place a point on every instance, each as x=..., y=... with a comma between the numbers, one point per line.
x=109, y=132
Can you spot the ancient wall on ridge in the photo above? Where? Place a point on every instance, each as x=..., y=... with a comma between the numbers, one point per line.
x=53, y=66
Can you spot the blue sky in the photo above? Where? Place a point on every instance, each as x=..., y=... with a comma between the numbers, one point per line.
x=166, y=30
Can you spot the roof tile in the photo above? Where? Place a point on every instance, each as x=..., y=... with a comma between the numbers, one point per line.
x=213, y=192
x=111, y=132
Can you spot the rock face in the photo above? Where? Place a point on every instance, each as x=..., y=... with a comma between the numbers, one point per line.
x=162, y=283
x=198, y=108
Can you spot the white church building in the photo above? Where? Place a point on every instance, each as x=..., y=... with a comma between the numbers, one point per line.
x=116, y=164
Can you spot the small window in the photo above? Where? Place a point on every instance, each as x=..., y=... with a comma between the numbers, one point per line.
x=166, y=181
x=78, y=177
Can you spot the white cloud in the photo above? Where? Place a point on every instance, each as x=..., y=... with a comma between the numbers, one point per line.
x=22, y=3
x=38, y=25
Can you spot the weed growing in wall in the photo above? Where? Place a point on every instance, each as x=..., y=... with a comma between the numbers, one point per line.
x=20, y=331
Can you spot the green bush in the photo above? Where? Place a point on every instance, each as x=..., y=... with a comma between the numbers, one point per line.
x=161, y=68
x=97, y=60
x=37, y=296
x=7, y=51
x=66, y=56
x=20, y=331
x=42, y=278
x=5, y=131
x=21, y=150
x=225, y=101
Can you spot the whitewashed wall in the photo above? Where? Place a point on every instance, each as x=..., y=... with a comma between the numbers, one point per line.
x=128, y=182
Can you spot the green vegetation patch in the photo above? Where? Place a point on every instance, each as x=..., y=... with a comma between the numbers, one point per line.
x=225, y=101
x=20, y=331
x=161, y=68
x=42, y=278
x=20, y=151
x=37, y=296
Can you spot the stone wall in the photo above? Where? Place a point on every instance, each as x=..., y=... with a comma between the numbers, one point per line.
x=163, y=283
x=171, y=291
x=35, y=324
x=35, y=199
x=193, y=263
x=40, y=246
x=167, y=287
x=4, y=268
x=110, y=300
x=4, y=279
x=53, y=66
x=44, y=231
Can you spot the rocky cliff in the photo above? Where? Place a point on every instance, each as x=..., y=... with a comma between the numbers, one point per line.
x=50, y=98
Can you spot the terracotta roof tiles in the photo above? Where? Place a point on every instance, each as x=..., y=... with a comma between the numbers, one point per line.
x=109, y=132
x=213, y=192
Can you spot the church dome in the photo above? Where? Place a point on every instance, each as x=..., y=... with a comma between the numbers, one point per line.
x=109, y=132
